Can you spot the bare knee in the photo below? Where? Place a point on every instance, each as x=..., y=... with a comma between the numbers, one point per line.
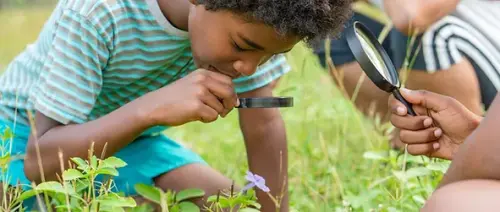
x=195, y=176
x=471, y=195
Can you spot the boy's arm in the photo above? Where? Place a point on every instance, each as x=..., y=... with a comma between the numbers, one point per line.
x=266, y=144
x=115, y=130
x=417, y=14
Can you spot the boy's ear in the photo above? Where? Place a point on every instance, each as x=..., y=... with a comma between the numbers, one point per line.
x=195, y=2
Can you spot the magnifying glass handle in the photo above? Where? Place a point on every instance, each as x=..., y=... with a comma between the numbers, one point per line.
x=408, y=105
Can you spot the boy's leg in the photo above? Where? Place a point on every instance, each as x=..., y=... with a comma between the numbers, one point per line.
x=195, y=176
x=160, y=161
x=471, y=195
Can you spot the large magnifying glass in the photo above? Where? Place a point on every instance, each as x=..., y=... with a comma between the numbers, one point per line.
x=375, y=62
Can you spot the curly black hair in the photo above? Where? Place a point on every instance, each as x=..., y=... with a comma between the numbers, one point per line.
x=311, y=20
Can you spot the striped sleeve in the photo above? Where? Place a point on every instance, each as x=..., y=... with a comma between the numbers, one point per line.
x=274, y=68
x=71, y=78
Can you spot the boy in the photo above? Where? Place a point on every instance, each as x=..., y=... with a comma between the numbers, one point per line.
x=458, y=55
x=113, y=71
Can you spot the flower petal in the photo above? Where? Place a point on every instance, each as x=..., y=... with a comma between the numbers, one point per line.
x=258, y=178
x=250, y=176
x=250, y=185
x=263, y=187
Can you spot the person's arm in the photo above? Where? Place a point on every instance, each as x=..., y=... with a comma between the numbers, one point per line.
x=192, y=98
x=478, y=157
x=408, y=15
x=266, y=144
x=116, y=130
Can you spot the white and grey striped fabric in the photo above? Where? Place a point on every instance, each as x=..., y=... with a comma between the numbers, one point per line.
x=472, y=30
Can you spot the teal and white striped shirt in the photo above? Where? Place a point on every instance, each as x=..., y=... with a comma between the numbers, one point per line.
x=94, y=56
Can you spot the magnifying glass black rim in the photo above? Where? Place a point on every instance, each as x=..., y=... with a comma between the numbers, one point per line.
x=364, y=61
x=265, y=102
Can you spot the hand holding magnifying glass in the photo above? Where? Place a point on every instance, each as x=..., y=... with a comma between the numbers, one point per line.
x=375, y=62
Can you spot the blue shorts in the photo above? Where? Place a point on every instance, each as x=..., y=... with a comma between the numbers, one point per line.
x=439, y=50
x=147, y=157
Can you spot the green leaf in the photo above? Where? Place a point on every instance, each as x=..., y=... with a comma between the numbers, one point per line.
x=371, y=155
x=115, y=201
x=188, y=207
x=142, y=208
x=107, y=171
x=440, y=167
x=255, y=204
x=189, y=194
x=224, y=202
x=51, y=186
x=417, y=172
x=82, y=184
x=114, y=162
x=175, y=208
x=212, y=198
x=72, y=174
x=28, y=194
x=81, y=164
x=412, y=173
x=149, y=192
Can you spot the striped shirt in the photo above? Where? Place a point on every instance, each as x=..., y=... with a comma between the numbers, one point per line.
x=94, y=56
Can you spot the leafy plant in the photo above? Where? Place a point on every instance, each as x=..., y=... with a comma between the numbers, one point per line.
x=78, y=190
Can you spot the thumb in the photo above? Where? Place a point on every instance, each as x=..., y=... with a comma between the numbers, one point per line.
x=426, y=99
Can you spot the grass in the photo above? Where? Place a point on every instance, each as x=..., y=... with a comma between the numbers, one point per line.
x=338, y=159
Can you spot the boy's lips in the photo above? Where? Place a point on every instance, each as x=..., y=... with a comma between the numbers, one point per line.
x=233, y=75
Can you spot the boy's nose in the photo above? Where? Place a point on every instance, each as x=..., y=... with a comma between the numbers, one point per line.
x=245, y=68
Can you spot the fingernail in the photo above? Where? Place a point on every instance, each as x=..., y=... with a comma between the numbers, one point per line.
x=427, y=122
x=438, y=133
x=401, y=111
x=405, y=90
x=435, y=146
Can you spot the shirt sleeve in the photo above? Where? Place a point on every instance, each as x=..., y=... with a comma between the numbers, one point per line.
x=274, y=68
x=71, y=78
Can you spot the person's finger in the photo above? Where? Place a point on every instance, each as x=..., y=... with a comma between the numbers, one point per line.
x=420, y=136
x=399, y=109
x=207, y=114
x=212, y=101
x=218, y=76
x=426, y=99
x=423, y=149
x=411, y=122
x=224, y=92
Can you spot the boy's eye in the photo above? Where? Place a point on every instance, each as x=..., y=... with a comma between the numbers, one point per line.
x=238, y=48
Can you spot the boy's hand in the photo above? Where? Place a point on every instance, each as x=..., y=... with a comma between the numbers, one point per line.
x=201, y=96
x=453, y=123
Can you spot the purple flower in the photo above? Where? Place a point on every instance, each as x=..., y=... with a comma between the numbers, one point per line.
x=256, y=180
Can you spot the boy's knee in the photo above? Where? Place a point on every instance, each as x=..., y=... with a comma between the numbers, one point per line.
x=471, y=195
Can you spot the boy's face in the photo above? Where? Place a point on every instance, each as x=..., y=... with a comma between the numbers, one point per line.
x=224, y=42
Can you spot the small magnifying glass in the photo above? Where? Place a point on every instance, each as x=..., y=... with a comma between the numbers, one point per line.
x=266, y=102
x=375, y=62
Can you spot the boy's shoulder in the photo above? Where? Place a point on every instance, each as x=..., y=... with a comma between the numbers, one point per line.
x=101, y=8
